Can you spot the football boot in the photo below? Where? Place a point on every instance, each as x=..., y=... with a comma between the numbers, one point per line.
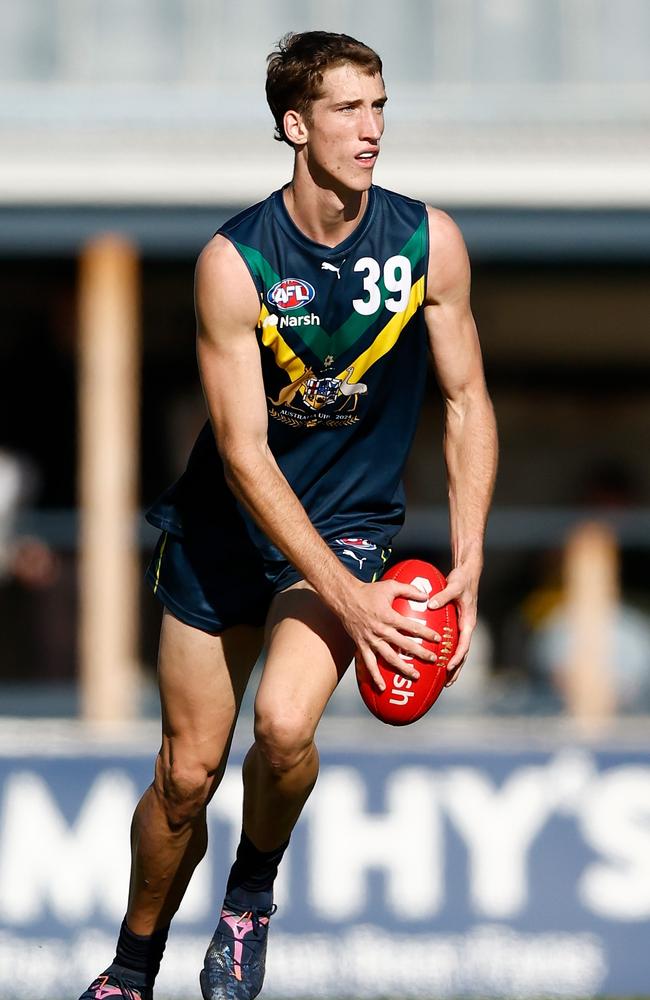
x=118, y=983
x=235, y=961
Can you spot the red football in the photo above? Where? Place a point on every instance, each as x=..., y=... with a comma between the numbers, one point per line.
x=405, y=700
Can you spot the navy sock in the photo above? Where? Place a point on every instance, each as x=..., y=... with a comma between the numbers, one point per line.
x=141, y=953
x=253, y=870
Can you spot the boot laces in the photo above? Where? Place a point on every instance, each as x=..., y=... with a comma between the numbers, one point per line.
x=127, y=986
x=256, y=914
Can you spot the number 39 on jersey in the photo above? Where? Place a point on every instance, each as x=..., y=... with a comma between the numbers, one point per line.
x=396, y=278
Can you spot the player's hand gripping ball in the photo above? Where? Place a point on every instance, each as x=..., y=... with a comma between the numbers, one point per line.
x=404, y=700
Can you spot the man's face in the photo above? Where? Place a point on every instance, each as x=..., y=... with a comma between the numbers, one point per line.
x=346, y=124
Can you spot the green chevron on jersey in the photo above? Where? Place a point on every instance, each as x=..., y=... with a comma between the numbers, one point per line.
x=316, y=338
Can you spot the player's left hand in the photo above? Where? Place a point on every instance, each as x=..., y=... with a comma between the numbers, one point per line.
x=462, y=587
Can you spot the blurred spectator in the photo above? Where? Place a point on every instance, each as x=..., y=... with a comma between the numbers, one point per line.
x=549, y=648
x=27, y=559
x=11, y=488
x=538, y=635
x=29, y=572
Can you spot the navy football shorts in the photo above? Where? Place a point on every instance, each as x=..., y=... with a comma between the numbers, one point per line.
x=213, y=587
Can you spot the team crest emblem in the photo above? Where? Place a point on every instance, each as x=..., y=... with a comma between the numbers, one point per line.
x=313, y=400
x=322, y=391
x=319, y=391
x=291, y=293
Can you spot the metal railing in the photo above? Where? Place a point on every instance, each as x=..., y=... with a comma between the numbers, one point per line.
x=510, y=528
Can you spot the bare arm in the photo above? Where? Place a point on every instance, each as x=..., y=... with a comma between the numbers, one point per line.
x=227, y=309
x=470, y=443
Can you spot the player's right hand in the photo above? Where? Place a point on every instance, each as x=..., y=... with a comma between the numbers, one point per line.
x=378, y=630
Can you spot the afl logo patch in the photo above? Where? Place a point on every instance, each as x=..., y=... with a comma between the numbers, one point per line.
x=291, y=293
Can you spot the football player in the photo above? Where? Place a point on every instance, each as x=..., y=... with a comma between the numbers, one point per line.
x=316, y=310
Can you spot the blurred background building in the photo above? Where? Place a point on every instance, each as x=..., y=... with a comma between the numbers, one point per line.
x=128, y=132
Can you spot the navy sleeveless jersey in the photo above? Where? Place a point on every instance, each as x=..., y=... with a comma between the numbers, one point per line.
x=343, y=352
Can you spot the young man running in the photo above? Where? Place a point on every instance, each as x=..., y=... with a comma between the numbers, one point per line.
x=315, y=310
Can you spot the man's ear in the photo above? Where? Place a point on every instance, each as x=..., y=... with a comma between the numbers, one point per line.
x=294, y=128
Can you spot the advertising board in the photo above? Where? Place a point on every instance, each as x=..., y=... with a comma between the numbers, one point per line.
x=414, y=874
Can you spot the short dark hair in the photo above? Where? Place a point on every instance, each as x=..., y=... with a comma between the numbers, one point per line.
x=295, y=70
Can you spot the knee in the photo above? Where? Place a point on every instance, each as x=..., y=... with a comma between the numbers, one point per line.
x=184, y=787
x=284, y=739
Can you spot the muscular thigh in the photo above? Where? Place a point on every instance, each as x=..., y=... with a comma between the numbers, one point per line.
x=202, y=679
x=308, y=651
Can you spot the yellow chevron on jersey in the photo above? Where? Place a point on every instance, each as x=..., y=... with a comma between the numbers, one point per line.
x=287, y=359
x=285, y=356
x=388, y=337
